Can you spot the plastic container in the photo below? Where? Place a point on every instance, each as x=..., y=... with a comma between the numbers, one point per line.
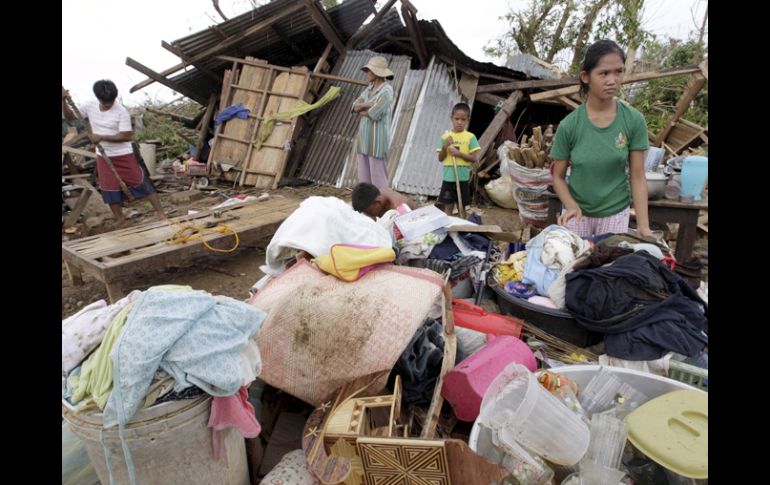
x=558, y=323
x=522, y=412
x=695, y=172
x=465, y=385
x=656, y=185
x=601, y=463
x=673, y=431
x=468, y=315
x=147, y=150
x=653, y=158
x=169, y=443
x=697, y=377
x=606, y=391
x=650, y=384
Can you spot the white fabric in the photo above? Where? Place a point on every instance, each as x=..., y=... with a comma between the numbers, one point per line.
x=110, y=122
x=471, y=341
x=316, y=225
x=557, y=292
x=658, y=367
x=560, y=247
x=82, y=332
x=650, y=248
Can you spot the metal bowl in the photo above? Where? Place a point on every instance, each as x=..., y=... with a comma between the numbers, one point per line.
x=656, y=185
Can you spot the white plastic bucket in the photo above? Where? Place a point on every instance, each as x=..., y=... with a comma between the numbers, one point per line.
x=147, y=150
x=169, y=443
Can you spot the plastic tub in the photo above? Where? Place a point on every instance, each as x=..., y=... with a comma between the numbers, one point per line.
x=169, y=443
x=558, y=323
x=650, y=384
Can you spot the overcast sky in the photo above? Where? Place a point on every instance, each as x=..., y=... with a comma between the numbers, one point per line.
x=98, y=35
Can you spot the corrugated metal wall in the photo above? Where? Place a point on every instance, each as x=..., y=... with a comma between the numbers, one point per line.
x=419, y=171
x=402, y=118
x=334, y=136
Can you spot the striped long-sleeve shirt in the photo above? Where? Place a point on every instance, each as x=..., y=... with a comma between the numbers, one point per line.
x=374, y=128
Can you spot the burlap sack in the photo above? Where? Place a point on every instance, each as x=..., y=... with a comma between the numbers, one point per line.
x=321, y=332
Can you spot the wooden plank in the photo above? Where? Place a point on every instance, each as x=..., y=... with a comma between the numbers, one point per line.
x=165, y=81
x=466, y=467
x=489, y=99
x=403, y=461
x=450, y=351
x=205, y=122
x=696, y=83
x=72, y=219
x=77, y=151
x=324, y=24
x=178, y=52
x=489, y=135
x=267, y=84
x=568, y=102
x=415, y=34
x=642, y=76
x=530, y=84
x=321, y=64
x=364, y=31
x=270, y=159
x=704, y=68
x=164, y=73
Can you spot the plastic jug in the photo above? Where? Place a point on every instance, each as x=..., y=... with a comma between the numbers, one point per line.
x=695, y=172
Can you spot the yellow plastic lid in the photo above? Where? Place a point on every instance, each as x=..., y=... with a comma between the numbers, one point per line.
x=672, y=430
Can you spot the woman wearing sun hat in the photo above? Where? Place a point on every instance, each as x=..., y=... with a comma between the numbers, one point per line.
x=374, y=106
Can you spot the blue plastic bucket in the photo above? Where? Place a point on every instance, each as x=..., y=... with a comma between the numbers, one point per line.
x=695, y=173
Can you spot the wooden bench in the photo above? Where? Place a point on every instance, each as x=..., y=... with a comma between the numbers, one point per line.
x=661, y=211
x=112, y=257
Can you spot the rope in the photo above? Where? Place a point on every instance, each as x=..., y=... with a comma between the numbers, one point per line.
x=196, y=233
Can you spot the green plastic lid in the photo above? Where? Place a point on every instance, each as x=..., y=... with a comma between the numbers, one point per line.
x=673, y=431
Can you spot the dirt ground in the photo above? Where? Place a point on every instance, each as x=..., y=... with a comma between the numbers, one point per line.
x=222, y=274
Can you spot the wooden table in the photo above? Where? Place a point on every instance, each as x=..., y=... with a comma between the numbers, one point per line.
x=113, y=256
x=661, y=211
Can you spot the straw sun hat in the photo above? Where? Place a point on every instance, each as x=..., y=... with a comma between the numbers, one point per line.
x=379, y=66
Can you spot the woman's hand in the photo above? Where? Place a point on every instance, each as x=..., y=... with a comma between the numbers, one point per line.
x=644, y=232
x=570, y=213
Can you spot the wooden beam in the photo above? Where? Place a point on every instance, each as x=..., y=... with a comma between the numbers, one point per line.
x=178, y=52
x=164, y=81
x=324, y=24
x=566, y=101
x=77, y=151
x=489, y=99
x=287, y=69
x=173, y=116
x=642, y=76
x=489, y=135
x=468, y=85
x=367, y=29
x=704, y=69
x=205, y=122
x=415, y=33
x=535, y=83
x=322, y=60
x=696, y=83
x=164, y=73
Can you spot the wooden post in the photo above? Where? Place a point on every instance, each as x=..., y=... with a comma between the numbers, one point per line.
x=489, y=135
x=205, y=122
x=326, y=27
x=364, y=31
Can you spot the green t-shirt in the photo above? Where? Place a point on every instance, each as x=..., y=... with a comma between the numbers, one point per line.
x=599, y=157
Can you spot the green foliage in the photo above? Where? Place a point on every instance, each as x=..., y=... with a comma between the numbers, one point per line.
x=172, y=134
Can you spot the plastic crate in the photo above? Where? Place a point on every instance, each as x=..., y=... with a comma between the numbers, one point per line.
x=689, y=374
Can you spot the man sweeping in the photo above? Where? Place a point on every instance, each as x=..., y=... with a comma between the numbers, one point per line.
x=111, y=132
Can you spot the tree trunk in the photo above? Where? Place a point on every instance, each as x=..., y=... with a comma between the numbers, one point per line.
x=699, y=53
x=630, y=58
x=585, y=29
x=557, y=35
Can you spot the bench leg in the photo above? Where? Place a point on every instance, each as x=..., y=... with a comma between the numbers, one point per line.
x=114, y=291
x=76, y=277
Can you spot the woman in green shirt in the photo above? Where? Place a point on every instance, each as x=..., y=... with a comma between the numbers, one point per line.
x=374, y=106
x=603, y=142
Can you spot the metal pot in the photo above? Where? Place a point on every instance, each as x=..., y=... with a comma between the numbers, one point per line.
x=656, y=185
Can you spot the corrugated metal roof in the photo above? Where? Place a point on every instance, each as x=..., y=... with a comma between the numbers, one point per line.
x=304, y=41
x=419, y=171
x=332, y=145
x=402, y=117
x=387, y=25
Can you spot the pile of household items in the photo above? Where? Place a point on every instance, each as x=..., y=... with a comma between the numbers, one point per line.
x=337, y=367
